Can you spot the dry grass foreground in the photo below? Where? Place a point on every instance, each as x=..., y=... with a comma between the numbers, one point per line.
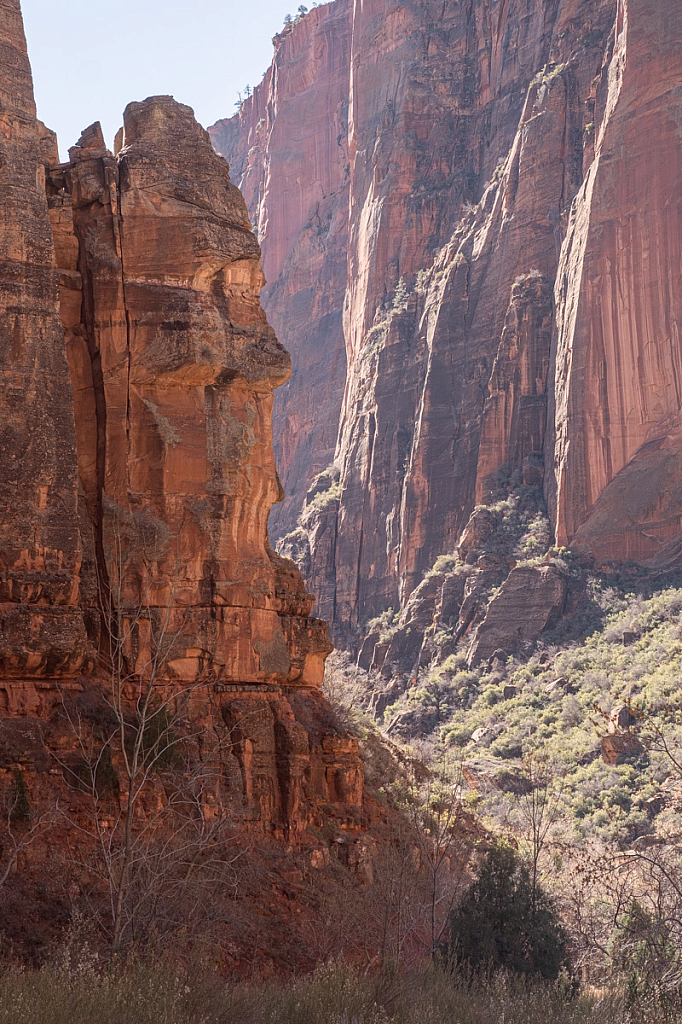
x=71, y=991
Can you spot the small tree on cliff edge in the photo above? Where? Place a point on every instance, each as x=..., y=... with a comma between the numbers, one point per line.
x=503, y=922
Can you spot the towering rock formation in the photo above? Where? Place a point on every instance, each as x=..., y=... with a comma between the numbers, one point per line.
x=166, y=418
x=468, y=131
x=617, y=453
x=289, y=153
x=42, y=633
x=511, y=199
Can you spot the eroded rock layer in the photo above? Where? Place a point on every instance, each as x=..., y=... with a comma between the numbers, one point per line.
x=138, y=476
x=42, y=633
x=511, y=195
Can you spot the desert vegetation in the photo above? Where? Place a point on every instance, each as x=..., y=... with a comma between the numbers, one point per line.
x=71, y=991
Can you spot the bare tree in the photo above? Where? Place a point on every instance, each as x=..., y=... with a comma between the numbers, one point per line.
x=158, y=826
x=539, y=804
x=435, y=810
x=20, y=826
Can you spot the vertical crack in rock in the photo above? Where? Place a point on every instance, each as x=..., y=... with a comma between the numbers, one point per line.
x=136, y=395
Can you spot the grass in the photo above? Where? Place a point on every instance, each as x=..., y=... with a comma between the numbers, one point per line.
x=140, y=993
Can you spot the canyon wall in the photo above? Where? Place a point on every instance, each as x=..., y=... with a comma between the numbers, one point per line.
x=289, y=154
x=511, y=197
x=42, y=630
x=616, y=469
x=138, y=477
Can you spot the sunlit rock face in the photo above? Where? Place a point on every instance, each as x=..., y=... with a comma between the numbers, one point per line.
x=616, y=468
x=174, y=366
x=138, y=470
x=517, y=167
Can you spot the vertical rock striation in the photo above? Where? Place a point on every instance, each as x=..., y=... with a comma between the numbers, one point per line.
x=174, y=368
x=138, y=472
x=42, y=633
x=288, y=151
x=469, y=129
x=617, y=456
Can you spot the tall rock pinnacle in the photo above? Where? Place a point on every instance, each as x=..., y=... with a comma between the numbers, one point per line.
x=136, y=463
x=41, y=624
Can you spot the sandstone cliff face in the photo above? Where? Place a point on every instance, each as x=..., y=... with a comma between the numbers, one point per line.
x=616, y=460
x=138, y=471
x=512, y=292
x=288, y=149
x=42, y=633
x=467, y=135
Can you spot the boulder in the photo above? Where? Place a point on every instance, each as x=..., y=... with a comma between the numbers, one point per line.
x=530, y=601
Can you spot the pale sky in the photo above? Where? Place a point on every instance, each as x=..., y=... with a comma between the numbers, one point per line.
x=91, y=58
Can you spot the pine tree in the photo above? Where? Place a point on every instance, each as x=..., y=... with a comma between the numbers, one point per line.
x=503, y=922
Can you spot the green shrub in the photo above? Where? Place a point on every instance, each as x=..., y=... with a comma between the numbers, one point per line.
x=506, y=923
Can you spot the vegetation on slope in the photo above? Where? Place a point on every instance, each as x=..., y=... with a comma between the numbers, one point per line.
x=560, y=701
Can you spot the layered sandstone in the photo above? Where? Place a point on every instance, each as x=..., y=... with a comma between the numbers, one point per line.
x=174, y=366
x=42, y=632
x=467, y=137
x=138, y=475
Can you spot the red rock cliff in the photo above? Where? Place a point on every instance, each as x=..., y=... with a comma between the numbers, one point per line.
x=150, y=260
x=42, y=632
x=289, y=153
x=470, y=129
x=617, y=455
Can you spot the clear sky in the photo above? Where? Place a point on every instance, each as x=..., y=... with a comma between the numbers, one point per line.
x=91, y=58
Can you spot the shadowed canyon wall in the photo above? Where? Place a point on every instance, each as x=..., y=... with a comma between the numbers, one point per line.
x=42, y=632
x=509, y=187
x=138, y=471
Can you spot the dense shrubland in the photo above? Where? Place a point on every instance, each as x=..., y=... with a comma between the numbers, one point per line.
x=513, y=708
x=584, y=730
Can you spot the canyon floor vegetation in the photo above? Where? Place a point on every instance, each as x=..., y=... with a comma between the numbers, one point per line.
x=71, y=991
x=571, y=754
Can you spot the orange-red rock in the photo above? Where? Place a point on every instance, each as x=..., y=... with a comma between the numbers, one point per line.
x=559, y=125
x=617, y=461
x=42, y=634
x=468, y=132
x=299, y=207
x=140, y=482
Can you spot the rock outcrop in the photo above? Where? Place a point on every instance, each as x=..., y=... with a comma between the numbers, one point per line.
x=42, y=631
x=138, y=473
x=509, y=187
x=529, y=601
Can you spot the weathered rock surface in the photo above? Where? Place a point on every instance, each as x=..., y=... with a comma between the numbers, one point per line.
x=138, y=470
x=298, y=116
x=467, y=136
x=529, y=601
x=616, y=453
x=488, y=775
x=175, y=364
x=42, y=632
x=511, y=195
